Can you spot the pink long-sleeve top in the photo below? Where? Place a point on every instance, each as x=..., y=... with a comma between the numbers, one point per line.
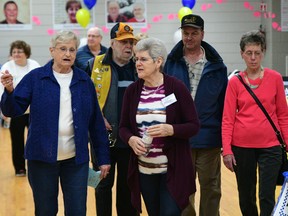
x=244, y=124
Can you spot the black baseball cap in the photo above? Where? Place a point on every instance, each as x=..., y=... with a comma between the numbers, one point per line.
x=192, y=20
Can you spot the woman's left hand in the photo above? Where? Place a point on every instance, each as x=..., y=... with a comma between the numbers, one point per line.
x=104, y=170
x=160, y=130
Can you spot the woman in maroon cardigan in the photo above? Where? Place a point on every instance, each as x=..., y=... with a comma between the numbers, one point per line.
x=162, y=107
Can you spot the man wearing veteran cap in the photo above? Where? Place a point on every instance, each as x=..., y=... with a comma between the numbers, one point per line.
x=202, y=70
x=112, y=73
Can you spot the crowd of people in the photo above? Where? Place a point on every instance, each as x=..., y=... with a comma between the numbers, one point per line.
x=117, y=98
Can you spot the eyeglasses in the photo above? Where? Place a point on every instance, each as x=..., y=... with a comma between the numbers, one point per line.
x=143, y=60
x=17, y=52
x=64, y=50
x=94, y=36
x=111, y=138
x=250, y=53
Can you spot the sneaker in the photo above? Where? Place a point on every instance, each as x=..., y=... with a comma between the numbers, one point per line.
x=20, y=173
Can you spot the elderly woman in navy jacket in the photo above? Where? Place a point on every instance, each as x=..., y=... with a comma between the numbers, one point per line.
x=161, y=107
x=63, y=109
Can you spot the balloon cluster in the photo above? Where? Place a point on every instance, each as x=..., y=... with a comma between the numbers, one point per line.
x=187, y=8
x=83, y=15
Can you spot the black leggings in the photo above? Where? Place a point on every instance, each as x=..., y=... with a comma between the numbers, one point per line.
x=17, y=132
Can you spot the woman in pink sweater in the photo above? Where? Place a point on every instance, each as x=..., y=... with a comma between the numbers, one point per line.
x=249, y=141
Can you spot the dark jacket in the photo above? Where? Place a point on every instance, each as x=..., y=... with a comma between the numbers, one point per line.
x=183, y=117
x=84, y=54
x=209, y=99
x=111, y=110
x=41, y=91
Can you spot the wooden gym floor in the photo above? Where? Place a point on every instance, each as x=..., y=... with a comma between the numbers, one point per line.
x=16, y=197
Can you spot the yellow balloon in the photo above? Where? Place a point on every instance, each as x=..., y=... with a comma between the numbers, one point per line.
x=83, y=17
x=183, y=12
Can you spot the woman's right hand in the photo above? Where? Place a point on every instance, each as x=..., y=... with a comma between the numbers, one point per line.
x=229, y=161
x=7, y=81
x=137, y=145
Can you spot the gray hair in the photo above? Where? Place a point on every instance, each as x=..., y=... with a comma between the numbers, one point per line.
x=253, y=37
x=99, y=30
x=63, y=37
x=155, y=47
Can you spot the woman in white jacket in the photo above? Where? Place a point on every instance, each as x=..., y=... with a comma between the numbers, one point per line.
x=18, y=66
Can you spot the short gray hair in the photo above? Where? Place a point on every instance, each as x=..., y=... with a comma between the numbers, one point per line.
x=63, y=37
x=99, y=30
x=253, y=37
x=155, y=47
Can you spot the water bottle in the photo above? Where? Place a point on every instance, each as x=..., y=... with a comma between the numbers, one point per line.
x=147, y=142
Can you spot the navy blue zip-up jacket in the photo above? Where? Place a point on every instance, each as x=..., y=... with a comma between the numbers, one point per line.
x=41, y=91
x=209, y=98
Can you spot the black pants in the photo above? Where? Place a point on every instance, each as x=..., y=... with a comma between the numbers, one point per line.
x=268, y=161
x=17, y=132
x=103, y=192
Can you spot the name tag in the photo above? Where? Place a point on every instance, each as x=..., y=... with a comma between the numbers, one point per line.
x=170, y=99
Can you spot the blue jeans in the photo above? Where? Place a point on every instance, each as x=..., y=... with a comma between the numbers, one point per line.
x=157, y=198
x=44, y=181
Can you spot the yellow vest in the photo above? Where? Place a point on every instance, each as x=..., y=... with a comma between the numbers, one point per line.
x=101, y=76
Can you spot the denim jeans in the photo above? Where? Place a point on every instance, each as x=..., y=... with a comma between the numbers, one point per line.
x=44, y=181
x=157, y=198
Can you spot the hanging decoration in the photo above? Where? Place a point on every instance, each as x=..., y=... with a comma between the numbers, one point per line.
x=183, y=12
x=83, y=17
x=90, y=3
x=189, y=3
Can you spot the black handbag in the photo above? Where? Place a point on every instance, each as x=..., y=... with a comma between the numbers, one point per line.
x=284, y=166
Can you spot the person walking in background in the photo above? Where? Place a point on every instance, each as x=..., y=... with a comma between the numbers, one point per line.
x=112, y=73
x=162, y=107
x=63, y=109
x=72, y=6
x=202, y=70
x=91, y=49
x=114, y=12
x=249, y=141
x=18, y=67
x=11, y=13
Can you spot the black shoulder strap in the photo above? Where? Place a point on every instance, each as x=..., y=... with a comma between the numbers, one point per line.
x=278, y=134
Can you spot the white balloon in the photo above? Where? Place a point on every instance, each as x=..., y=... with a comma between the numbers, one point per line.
x=177, y=36
x=83, y=41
